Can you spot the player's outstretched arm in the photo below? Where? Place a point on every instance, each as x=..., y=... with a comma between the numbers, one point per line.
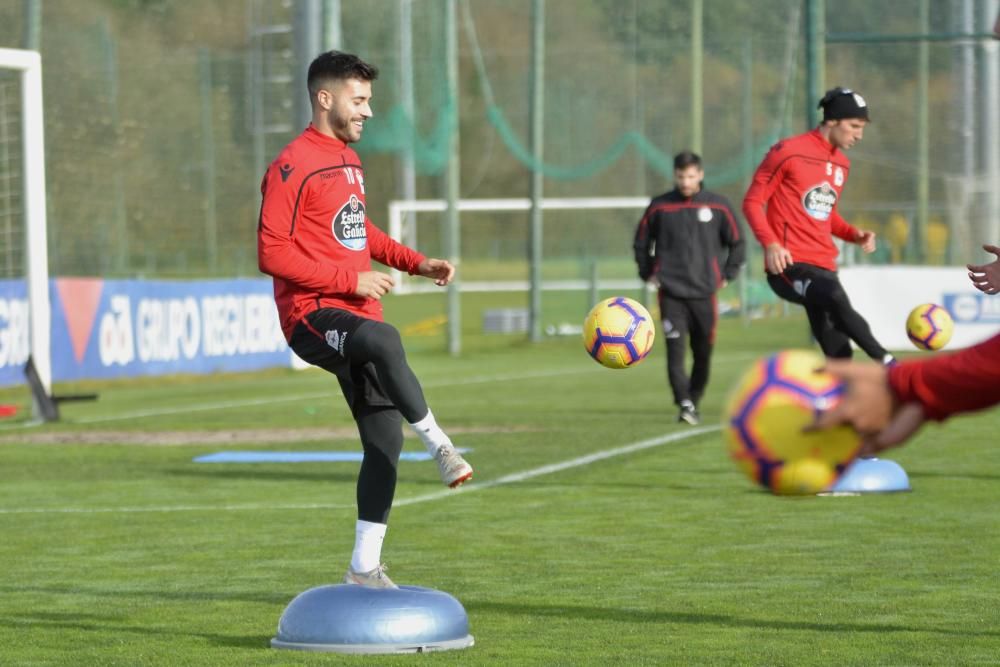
x=986, y=277
x=888, y=405
x=440, y=271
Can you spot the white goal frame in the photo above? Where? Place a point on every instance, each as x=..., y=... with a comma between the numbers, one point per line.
x=29, y=66
x=398, y=208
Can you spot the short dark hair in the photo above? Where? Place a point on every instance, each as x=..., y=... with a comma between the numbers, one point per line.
x=337, y=66
x=686, y=159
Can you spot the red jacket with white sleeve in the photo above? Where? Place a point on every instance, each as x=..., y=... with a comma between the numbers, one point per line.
x=314, y=236
x=945, y=384
x=800, y=181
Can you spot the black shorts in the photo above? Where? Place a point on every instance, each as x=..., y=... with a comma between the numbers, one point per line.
x=794, y=283
x=323, y=338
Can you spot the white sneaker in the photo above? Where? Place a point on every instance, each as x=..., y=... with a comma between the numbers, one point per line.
x=455, y=471
x=376, y=578
x=689, y=413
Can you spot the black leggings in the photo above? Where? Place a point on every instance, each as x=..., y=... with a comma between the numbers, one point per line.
x=382, y=441
x=833, y=320
x=369, y=361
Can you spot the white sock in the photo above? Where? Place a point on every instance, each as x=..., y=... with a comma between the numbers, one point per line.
x=430, y=433
x=367, y=546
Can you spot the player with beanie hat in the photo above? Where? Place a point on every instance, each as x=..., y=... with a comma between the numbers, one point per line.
x=791, y=206
x=840, y=103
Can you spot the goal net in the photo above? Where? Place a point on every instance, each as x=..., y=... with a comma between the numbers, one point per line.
x=24, y=275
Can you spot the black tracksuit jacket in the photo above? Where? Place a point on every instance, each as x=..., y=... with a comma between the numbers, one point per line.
x=681, y=241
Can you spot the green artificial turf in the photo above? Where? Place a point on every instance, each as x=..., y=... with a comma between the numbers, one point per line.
x=131, y=554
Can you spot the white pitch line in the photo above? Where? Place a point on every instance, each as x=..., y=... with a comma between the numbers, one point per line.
x=447, y=493
x=558, y=467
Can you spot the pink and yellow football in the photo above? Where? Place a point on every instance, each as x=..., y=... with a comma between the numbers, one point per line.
x=929, y=326
x=771, y=404
x=618, y=332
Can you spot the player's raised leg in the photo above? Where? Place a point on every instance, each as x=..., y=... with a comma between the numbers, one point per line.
x=379, y=343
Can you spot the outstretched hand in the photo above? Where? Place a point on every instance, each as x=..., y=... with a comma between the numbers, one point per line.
x=986, y=277
x=866, y=239
x=440, y=270
x=869, y=406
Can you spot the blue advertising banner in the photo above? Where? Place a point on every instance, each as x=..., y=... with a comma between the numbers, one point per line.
x=125, y=328
x=14, y=343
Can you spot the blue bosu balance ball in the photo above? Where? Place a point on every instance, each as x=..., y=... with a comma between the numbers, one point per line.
x=872, y=476
x=355, y=619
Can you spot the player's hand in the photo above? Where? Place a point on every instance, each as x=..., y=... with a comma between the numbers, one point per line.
x=869, y=406
x=777, y=258
x=906, y=421
x=866, y=239
x=373, y=285
x=440, y=270
x=986, y=277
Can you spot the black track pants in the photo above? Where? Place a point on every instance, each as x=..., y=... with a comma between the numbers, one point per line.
x=833, y=320
x=685, y=319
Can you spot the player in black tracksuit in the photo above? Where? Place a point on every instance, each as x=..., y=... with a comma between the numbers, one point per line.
x=678, y=244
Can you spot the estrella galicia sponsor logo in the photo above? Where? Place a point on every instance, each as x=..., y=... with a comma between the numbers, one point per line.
x=819, y=201
x=978, y=308
x=349, y=225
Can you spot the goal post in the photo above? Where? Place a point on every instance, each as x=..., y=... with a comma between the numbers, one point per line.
x=28, y=65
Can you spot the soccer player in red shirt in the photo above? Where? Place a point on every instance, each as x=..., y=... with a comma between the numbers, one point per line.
x=799, y=183
x=315, y=238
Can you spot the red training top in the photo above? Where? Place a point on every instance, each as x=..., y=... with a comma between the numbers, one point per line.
x=314, y=235
x=800, y=181
x=949, y=383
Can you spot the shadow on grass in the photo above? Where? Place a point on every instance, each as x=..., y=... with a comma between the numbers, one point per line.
x=690, y=618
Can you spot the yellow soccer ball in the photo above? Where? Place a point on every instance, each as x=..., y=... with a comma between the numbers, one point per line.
x=768, y=408
x=929, y=326
x=618, y=332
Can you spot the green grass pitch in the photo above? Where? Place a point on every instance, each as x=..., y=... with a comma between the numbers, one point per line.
x=122, y=551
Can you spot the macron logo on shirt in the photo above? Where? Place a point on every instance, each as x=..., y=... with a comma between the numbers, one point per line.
x=286, y=171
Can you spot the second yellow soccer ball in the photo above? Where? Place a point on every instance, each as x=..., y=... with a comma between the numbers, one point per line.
x=929, y=326
x=618, y=332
